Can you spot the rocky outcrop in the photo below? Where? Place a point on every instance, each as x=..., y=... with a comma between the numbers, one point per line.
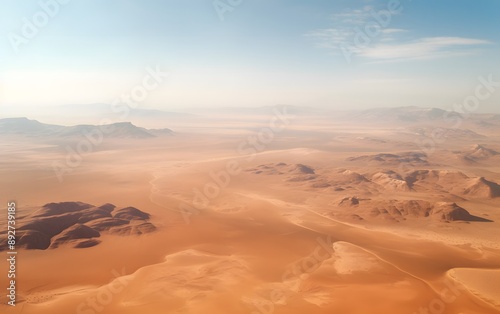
x=411, y=158
x=452, y=212
x=75, y=232
x=400, y=210
x=349, y=201
x=480, y=152
x=130, y=213
x=292, y=172
x=78, y=224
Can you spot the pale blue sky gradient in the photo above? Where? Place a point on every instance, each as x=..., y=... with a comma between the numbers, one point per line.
x=265, y=52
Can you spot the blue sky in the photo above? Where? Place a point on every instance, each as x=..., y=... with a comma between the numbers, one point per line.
x=263, y=52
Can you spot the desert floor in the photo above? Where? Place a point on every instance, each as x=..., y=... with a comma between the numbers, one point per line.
x=250, y=230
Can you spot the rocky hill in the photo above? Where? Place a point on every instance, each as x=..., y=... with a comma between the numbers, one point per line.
x=77, y=224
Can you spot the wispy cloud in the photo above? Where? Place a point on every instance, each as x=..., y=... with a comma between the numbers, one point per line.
x=353, y=16
x=393, y=30
x=424, y=48
x=335, y=38
x=360, y=32
x=345, y=25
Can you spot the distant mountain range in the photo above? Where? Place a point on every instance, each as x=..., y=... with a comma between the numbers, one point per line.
x=418, y=116
x=93, y=113
x=409, y=117
x=34, y=128
x=405, y=114
x=106, y=110
x=400, y=115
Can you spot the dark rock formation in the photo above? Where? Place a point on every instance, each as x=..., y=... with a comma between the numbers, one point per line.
x=77, y=223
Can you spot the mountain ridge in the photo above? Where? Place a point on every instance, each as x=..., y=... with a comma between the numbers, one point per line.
x=33, y=128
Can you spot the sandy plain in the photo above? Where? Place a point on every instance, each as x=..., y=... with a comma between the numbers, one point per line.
x=311, y=220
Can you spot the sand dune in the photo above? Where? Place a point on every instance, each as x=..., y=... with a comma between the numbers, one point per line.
x=485, y=283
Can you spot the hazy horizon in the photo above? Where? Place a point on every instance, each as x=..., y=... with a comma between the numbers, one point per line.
x=28, y=111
